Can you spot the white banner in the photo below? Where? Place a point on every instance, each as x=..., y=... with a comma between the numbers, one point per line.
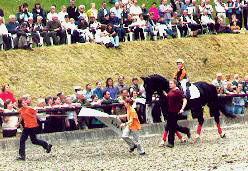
x=109, y=120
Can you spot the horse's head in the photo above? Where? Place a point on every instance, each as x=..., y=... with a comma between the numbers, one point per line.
x=154, y=83
x=148, y=89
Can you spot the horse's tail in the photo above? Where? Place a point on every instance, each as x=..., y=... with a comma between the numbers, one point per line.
x=219, y=103
x=224, y=102
x=215, y=103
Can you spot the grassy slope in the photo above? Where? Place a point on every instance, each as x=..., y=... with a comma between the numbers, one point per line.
x=51, y=69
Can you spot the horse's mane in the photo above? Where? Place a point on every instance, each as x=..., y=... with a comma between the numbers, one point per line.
x=161, y=82
x=156, y=77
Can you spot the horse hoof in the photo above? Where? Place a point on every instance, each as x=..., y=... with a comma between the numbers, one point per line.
x=223, y=136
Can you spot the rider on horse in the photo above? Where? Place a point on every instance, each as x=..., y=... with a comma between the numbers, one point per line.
x=181, y=77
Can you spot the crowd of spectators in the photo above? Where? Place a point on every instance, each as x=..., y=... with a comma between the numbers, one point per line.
x=53, y=120
x=233, y=85
x=59, y=120
x=125, y=20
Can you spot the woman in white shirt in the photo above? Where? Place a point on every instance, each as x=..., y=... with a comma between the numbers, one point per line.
x=9, y=122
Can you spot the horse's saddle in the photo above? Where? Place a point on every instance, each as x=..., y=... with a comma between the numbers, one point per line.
x=194, y=92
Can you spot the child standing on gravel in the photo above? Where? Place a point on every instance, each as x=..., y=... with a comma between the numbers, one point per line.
x=28, y=115
x=131, y=127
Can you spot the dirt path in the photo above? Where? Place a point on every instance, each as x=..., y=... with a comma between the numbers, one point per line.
x=210, y=153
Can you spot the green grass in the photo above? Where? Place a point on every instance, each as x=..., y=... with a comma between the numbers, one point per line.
x=48, y=70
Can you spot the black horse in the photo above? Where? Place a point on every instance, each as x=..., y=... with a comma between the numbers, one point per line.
x=208, y=96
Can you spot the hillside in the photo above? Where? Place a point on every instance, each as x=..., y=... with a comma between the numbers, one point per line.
x=48, y=70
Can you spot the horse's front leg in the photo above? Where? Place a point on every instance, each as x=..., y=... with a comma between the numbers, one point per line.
x=199, y=114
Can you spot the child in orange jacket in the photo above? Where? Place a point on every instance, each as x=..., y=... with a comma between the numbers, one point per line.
x=131, y=127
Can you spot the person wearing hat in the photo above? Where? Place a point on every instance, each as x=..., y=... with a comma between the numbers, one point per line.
x=181, y=77
x=219, y=83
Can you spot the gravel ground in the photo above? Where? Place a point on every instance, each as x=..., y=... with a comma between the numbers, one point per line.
x=210, y=153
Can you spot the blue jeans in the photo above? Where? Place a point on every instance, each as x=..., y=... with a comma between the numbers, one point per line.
x=115, y=41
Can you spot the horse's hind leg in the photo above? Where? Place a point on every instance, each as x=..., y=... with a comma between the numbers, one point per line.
x=215, y=112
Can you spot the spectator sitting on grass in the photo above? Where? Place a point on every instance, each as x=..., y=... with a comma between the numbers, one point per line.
x=55, y=29
x=12, y=25
x=88, y=92
x=207, y=20
x=9, y=122
x=34, y=35
x=111, y=89
x=23, y=39
x=136, y=26
x=102, y=37
x=113, y=35
x=71, y=120
x=98, y=90
x=41, y=28
x=239, y=102
x=235, y=24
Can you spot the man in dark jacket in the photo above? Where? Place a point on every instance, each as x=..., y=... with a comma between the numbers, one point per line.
x=55, y=29
x=103, y=12
x=72, y=10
